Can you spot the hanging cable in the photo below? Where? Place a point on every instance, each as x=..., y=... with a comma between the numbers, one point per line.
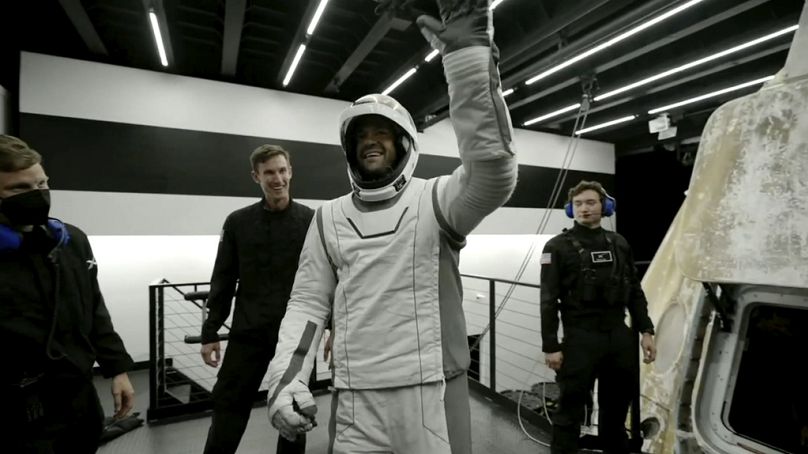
x=569, y=154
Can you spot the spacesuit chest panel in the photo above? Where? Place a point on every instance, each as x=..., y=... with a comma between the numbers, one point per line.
x=386, y=313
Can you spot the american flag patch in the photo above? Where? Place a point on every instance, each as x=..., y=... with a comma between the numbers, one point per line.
x=546, y=258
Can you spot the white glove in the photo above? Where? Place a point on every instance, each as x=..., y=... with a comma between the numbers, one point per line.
x=283, y=415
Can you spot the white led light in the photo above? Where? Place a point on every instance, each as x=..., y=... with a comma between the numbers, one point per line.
x=399, y=81
x=613, y=41
x=316, y=18
x=605, y=125
x=698, y=62
x=158, y=38
x=431, y=55
x=711, y=95
x=507, y=92
x=293, y=66
x=552, y=114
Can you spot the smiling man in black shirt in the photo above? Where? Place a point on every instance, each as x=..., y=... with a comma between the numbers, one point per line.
x=256, y=262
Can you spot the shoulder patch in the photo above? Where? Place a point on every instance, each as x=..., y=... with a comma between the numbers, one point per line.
x=547, y=258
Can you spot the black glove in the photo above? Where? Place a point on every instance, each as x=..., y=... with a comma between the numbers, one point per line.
x=465, y=23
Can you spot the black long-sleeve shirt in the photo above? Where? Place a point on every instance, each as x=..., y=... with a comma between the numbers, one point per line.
x=38, y=281
x=560, y=273
x=256, y=262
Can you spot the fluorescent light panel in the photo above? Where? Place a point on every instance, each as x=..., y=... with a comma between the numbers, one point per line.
x=605, y=125
x=158, y=38
x=293, y=66
x=711, y=95
x=552, y=114
x=695, y=63
x=399, y=81
x=316, y=18
x=613, y=41
x=507, y=92
x=431, y=55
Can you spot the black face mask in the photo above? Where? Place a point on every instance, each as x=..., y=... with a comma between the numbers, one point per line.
x=27, y=208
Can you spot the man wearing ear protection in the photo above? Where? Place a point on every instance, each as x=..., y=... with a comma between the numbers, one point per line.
x=588, y=275
x=383, y=262
x=53, y=320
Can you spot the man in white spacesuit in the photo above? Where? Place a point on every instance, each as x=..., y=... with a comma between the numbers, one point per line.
x=383, y=261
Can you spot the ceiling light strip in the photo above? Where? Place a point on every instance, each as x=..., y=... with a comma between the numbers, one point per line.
x=711, y=95
x=431, y=55
x=605, y=125
x=507, y=92
x=293, y=66
x=613, y=41
x=158, y=38
x=316, y=18
x=399, y=81
x=698, y=62
x=551, y=114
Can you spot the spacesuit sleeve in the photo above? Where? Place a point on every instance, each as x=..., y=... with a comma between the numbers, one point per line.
x=482, y=124
x=306, y=315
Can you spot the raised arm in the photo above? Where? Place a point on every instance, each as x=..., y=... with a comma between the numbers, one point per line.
x=480, y=118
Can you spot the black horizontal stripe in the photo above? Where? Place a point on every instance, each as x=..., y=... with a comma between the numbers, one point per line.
x=92, y=155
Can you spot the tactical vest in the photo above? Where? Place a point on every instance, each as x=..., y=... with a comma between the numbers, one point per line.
x=590, y=290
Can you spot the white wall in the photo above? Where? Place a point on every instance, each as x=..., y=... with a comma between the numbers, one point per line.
x=140, y=238
x=94, y=91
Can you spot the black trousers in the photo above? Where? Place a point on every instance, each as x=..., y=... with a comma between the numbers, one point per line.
x=51, y=416
x=244, y=366
x=611, y=356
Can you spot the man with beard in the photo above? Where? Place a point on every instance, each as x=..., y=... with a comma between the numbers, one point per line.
x=382, y=261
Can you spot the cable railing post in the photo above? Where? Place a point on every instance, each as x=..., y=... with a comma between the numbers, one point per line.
x=161, y=348
x=152, y=348
x=492, y=356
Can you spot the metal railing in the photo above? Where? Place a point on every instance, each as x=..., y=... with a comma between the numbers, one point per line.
x=503, y=322
x=180, y=383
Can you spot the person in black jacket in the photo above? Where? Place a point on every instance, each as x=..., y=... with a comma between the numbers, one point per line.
x=53, y=320
x=256, y=262
x=588, y=275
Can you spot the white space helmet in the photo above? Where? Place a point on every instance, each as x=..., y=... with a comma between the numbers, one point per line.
x=385, y=106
